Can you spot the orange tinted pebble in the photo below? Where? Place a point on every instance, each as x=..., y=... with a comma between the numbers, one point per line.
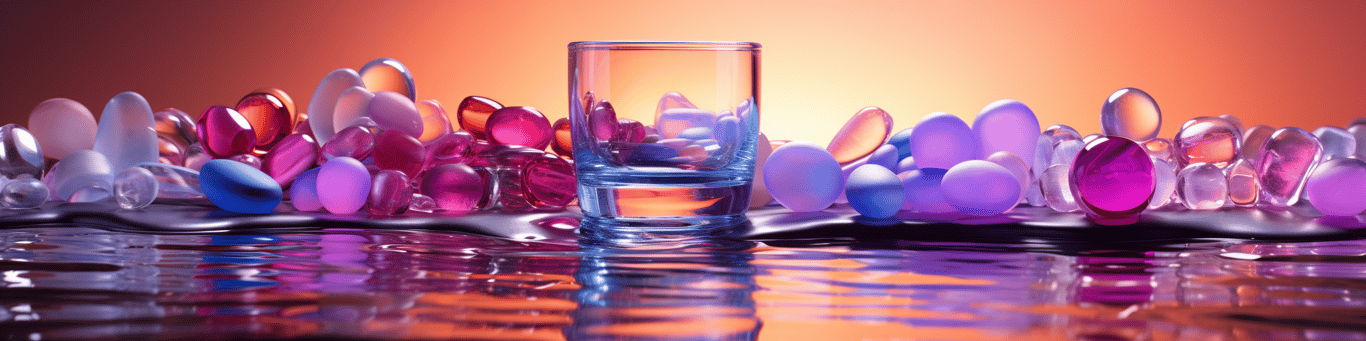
x=473, y=112
x=434, y=123
x=864, y=132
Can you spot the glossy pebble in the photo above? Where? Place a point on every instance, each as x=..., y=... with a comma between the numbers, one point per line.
x=352, y=142
x=1057, y=189
x=696, y=133
x=247, y=159
x=177, y=126
x=352, y=104
x=1017, y=168
x=80, y=169
x=1338, y=187
x=455, y=187
x=399, y=151
x=1065, y=152
x=548, y=182
x=388, y=74
x=24, y=193
x=1131, y=113
x=344, y=185
x=1007, y=125
x=434, y=122
x=1358, y=132
x=1284, y=165
x=473, y=113
x=1337, y=142
x=1243, y=187
x=294, y=154
x=135, y=188
x=864, y=132
x=564, y=141
x=20, y=153
x=236, y=187
x=603, y=123
x=422, y=203
x=169, y=152
x=1236, y=122
x=942, y=140
x=303, y=193
x=195, y=156
x=727, y=132
x=125, y=134
x=980, y=188
x=1161, y=149
x=803, y=176
x=902, y=141
x=923, y=191
x=1112, y=179
x=874, y=191
x=223, y=132
x=62, y=126
x=174, y=184
x=672, y=122
x=324, y=101
x=1202, y=186
x=759, y=195
x=1253, y=140
x=1164, y=187
x=456, y=147
x=391, y=193
x=1058, y=133
x=522, y=126
x=392, y=111
x=294, y=114
x=672, y=100
x=270, y=119
x=906, y=164
x=1089, y=138
x=1210, y=140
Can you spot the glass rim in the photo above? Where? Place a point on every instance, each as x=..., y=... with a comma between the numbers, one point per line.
x=665, y=45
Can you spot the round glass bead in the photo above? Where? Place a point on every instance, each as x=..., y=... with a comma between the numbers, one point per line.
x=456, y=147
x=1007, y=125
x=1112, y=179
x=23, y=193
x=1243, y=188
x=473, y=113
x=344, y=185
x=20, y=153
x=603, y=123
x=1161, y=149
x=324, y=101
x=169, y=152
x=223, y=132
x=352, y=104
x=390, y=193
x=1338, y=187
x=522, y=126
x=1210, y=140
x=549, y=182
x=863, y=133
x=135, y=188
x=1284, y=165
x=1131, y=113
x=942, y=140
x=125, y=134
x=1202, y=186
x=387, y=74
x=1058, y=133
x=980, y=188
x=268, y=116
x=62, y=126
x=1065, y=152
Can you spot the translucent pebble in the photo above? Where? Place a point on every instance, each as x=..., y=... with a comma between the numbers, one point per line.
x=1236, y=123
x=344, y=185
x=1112, y=179
x=1210, y=140
x=902, y=141
x=352, y=104
x=422, y=203
x=352, y=142
x=1017, y=168
x=1253, y=139
x=223, y=132
x=454, y=187
x=1058, y=133
x=564, y=138
x=1338, y=187
x=1089, y=138
x=759, y=195
x=303, y=127
x=174, y=184
x=1043, y=155
x=864, y=132
x=398, y=151
x=125, y=134
x=603, y=122
x=980, y=188
x=456, y=147
x=942, y=140
x=324, y=101
x=522, y=126
x=1057, y=189
x=195, y=156
x=80, y=169
x=1202, y=186
x=177, y=126
x=727, y=132
x=1358, y=131
x=135, y=188
x=89, y=194
x=1242, y=183
x=672, y=100
x=303, y=193
x=1131, y=113
x=169, y=152
x=696, y=133
x=236, y=187
x=63, y=126
x=672, y=122
x=387, y=74
x=390, y=193
x=294, y=114
x=434, y=122
x=392, y=111
x=548, y=182
x=923, y=191
x=1337, y=142
x=248, y=159
x=20, y=153
x=1065, y=152
x=1034, y=195
x=803, y=176
x=874, y=191
x=1164, y=174
x=24, y=193
x=1007, y=125
x=1284, y=165
x=906, y=164
x=1161, y=149
x=270, y=119
x=473, y=112
x=294, y=154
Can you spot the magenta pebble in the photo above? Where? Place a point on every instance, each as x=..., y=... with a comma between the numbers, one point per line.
x=603, y=122
x=456, y=147
x=629, y=130
x=1112, y=179
x=550, y=182
x=250, y=160
x=390, y=193
x=454, y=187
x=392, y=111
x=522, y=126
x=345, y=185
x=290, y=157
x=303, y=193
x=1338, y=187
x=224, y=132
x=1284, y=163
x=352, y=142
x=399, y=151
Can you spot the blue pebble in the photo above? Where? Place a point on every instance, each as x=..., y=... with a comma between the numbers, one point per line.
x=902, y=141
x=875, y=191
x=696, y=133
x=885, y=156
x=651, y=153
x=905, y=165
x=238, y=187
x=727, y=130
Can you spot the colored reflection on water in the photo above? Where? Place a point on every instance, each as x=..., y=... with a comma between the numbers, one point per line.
x=73, y=282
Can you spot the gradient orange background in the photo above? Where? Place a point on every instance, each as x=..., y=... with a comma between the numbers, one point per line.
x=1275, y=63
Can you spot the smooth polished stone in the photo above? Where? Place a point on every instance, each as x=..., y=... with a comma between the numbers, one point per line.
x=20, y=153
x=759, y=195
x=884, y=156
x=422, y=203
x=388, y=74
x=1007, y=125
x=343, y=185
x=473, y=113
x=548, y=182
x=631, y=131
x=270, y=119
x=324, y=101
x=80, y=169
x=195, y=156
x=353, y=142
x=942, y=140
x=1284, y=165
x=1164, y=173
x=455, y=187
x=902, y=141
x=1112, y=180
x=236, y=187
x=177, y=126
x=434, y=122
x=135, y=188
x=303, y=193
x=924, y=192
x=1161, y=149
x=1131, y=113
x=603, y=123
x=1057, y=189
x=390, y=193
x=174, y=184
x=248, y=159
x=874, y=191
x=1338, y=187
x=169, y=152
x=672, y=122
x=63, y=126
x=564, y=141
x=399, y=151
x=863, y=133
x=1253, y=140
x=456, y=147
x=522, y=126
x=125, y=135
x=392, y=111
x=1210, y=140
x=803, y=176
x=1202, y=186
x=980, y=188
x=1337, y=142
x=1017, y=167
x=224, y=132
x=292, y=156
x=352, y=104
x=24, y=193
x=1243, y=187
x=906, y=164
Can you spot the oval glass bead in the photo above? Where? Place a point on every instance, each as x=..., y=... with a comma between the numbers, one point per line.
x=1202, y=186
x=292, y=156
x=1284, y=165
x=223, y=132
x=473, y=113
x=390, y=193
x=859, y=136
x=270, y=119
x=1210, y=140
x=20, y=153
x=399, y=151
x=522, y=126
x=1131, y=113
x=388, y=74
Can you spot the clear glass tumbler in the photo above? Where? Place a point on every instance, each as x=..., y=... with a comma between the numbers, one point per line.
x=664, y=132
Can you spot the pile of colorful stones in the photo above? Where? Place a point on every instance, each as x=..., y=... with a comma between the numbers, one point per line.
x=364, y=143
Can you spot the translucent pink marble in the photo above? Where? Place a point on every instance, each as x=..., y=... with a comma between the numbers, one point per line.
x=1211, y=140
x=293, y=155
x=522, y=126
x=454, y=187
x=473, y=113
x=1131, y=113
x=352, y=142
x=390, y=193
x=399, y=151
x=862, y=134
x=269, y=118
x=343, y=185
x=250, y=160
x=393, y=111
x=223, y=132
x=1112, y=179
x=1284, y=164
x=456, y=147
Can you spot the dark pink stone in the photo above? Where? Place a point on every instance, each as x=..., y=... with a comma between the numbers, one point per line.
x=398, y=151
x=224, y=132
x=390, y=193
x=473, y=113
x=549, y=182
x=293, y=155
x=454, y=187
x=303, y=127
x=522, y=126
x=250, y=160
x=354, y=142
x=1112, y=179
x=603, y=122
x=564, y=140
x=629, y=130
x=456, y=147
x=268, y=116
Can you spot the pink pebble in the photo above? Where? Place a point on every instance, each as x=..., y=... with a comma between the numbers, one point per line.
x=224, y=132
x=473, y=114
x=454, y=187
x=564, y=142
x=398, y=151
x=390, y=193
x=345, y=185
x=603, y=122
x=293, y=155
x=522, y=126
x=393, y=111
x=549, y=182
x=352, y=142
x=456, y=147
x=629, y=130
